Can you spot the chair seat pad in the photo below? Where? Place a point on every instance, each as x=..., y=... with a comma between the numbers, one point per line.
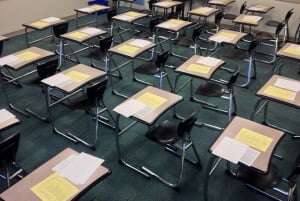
x=210, y=89
x=262, y=181
x=148, y=68
x=165, y=133
x=272, y=23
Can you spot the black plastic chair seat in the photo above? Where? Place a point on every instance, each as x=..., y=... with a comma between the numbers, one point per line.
x=165, y=133
x=185, y=41
x=147, y=69
x=210, y=89
x=272, y=23
x=262, y=181
x=264, y=36
x=229, y=16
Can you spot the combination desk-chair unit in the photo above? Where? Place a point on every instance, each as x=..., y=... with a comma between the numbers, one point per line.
x=287, y=51
x=89, y=11
x=202, y=13
x=249, y=146
x=278, y=89
x=57, y=179
x=247, y=20
x=16, y=66
x=259, y=8
x=132, y=49
x=203, y=68
x=222, y=4
x=81, y=36
x=146, y=107
x=81, y=86
x=130, y=18
x=166, y=6
x=41, y=25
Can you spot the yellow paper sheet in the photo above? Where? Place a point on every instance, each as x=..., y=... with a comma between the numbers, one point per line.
x=280, y=93
x=228, y=35
x=133, y=14
x=28, y=56
x=152, y=100
x=77, y=76
x=198, y=68
x=128, y=49
x=177, y=22
x=54, y=188
x=78, y=35
x=202, y=10
x=293, y=50
x=39, y=24
x=254, y=139
x=251, y=19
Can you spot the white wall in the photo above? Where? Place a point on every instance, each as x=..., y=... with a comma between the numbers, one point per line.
x=13, y=13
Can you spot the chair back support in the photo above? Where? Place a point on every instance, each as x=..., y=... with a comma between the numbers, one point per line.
x=279, y=29
x=288, y=16
x=153, y=23
x=60, y=29
x=105, y=44
x=185, y=126
x=1, y=47
x=232, y=80
x=150, y=4
x=95, y=93
x=161, y=59
x=9, y=147
x=110, y=14
x=47, y=69
x=252, y=47
x=218, y=18
x=243, y=7
x=196, y=33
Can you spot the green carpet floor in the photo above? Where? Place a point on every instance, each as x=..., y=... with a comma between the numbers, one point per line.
x=38, y=143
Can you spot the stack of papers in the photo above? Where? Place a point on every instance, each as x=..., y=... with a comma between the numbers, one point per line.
x=124, y=17
x=28, y=56
x=223, y=37
x=202, y=10
x=92, y=31
x=78, y=35
x=199, y=68
x=128, y=49
x=10, y=60
x=40, y=24
x=152, y=100
x=140, y=43
x=209, y=61
x=87, y=9
x=280, y=93
x=235, y=151
x=290, y=85
x=130, y=108
x=6, y=116
x=51, y=19
x=293, y=49
x=57, y=80
x=78, y=168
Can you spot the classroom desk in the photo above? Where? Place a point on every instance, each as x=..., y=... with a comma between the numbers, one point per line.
x=128, y=18
x=7, y=119
x=131, y=50
x=80, y=36
x=173, y=27
x=69, y=82
x=247, y=20
x=3, y=38
x=166, y=5
x=259, y=8
x=202, y=12
x=203, y=68
x=288, y=51
x=259, y=138
x=17, y=62
x=40, y=25
x=220, y=3
x=21, y=191
x=162, y=102
x=278, y=89
x=89, y=10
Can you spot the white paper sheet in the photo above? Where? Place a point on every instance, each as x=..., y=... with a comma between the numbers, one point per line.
x=140, y=43
x=9, y=60
x=51, y=19
x=57, y=80
x=230, y=150
x=87, y=9
x=220, y=39
x=91, y=31
x=5, y=115
x=129, y=108
x=81, y=168
x=250, y=156
x=124, y=17
x=209, y=61
x=60, y=166
x=288, y=84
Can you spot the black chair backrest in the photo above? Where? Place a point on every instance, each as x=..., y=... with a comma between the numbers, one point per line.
x=153, y=23
x=111, y=13
x=218, y=18
x=9, y=147
x=186, y=125
x=162, y=58
x=105, y=44
x=47, y=69
x=243, y=7
x=114, y=4
x=95, y=93
x=150, y=4
x=279, y=29
x=1, y=47
x=288, y=15
x=252, y=47
x=60, y=29
x=232, y=80
x=196, y=33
